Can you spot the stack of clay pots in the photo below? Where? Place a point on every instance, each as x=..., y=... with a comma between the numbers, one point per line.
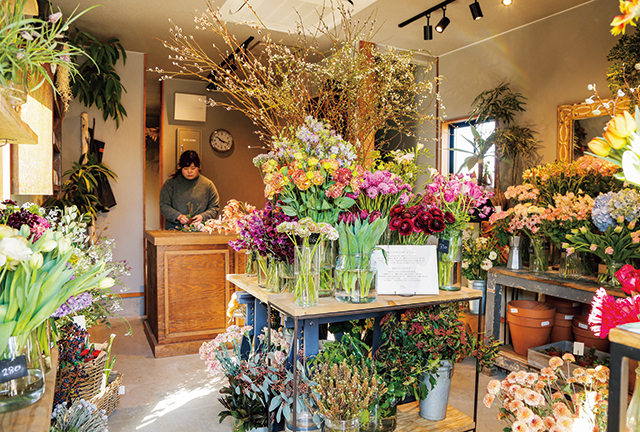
x=582, y=333
x=565, y=311
x=530, y=323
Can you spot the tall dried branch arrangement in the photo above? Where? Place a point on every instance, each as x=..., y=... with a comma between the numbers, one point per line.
x=357, y=87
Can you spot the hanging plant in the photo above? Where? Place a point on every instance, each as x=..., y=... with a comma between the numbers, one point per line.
x=100, y=84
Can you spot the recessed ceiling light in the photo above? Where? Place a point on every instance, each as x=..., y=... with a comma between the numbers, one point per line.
x=507, y=2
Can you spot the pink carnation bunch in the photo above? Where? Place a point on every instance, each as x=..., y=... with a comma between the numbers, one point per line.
x=608, y=312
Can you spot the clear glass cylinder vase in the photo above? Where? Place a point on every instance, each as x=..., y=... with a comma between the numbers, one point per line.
x=250, y=264
x=570, y=266
x=262, y=271
x=356, y=280
x=538, y=261
x=22, y=373
x=449, y=258
x=633, y=410
x=609, y=277
x=327, y=251
x=306, y=269
x=285, y=277
x=352, y=425
x=272, y=284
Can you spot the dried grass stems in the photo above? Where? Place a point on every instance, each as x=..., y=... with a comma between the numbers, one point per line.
x=343, y=391
x=358, y=87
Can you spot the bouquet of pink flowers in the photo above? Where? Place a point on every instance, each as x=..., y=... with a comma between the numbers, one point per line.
x=569, y=212
x=461, y=196
x=381, y=190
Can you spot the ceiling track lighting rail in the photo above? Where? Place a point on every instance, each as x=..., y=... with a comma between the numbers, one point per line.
x=476, y=13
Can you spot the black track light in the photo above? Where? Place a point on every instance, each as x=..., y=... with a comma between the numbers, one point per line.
x=428, y=30
x=476, y=12
x=444, y=22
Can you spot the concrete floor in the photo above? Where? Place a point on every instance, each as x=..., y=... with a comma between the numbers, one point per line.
x=175, y=394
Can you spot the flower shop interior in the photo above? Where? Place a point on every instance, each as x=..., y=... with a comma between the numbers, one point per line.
x=425, y=220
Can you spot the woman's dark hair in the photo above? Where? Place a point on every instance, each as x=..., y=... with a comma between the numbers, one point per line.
x=186, y=159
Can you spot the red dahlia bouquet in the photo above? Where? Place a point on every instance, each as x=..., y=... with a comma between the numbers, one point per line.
x=413, y=224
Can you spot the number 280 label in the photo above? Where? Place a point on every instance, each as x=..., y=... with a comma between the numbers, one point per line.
x=13, y=369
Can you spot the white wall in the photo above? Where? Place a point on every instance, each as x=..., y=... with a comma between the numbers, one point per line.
x=550, y=62
x=124, y=155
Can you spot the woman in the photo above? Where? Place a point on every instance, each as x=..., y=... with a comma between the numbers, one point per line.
x=188, y=197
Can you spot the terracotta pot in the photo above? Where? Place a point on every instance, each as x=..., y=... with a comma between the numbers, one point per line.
x=586, y=336
x=528, y=332
x=562, y=328
x=568, y=310
x=531, y=309
x=561, y=302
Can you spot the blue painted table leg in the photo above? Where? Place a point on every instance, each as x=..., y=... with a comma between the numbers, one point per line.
x=311, y=335
x=259, y=320
x=376, y=334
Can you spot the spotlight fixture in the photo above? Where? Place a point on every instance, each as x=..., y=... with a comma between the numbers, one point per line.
x=476, y=12
x=428, y=30
x=507, y=2
x=444, y=22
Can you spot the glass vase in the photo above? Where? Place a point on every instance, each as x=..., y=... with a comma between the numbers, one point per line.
x=15, y=92
x=250, y=264
x=272, y=284
x=633, y=410
x=538, y=261
x=262, y=271
x=327, y=251
x=306, y=274
x=570, y=266
x=609, y=277
x=449, y=258
x=22, y=373
x=369, y=419
x=356, y=279
x=352, y=425
x=388, y=420
x=285, y=277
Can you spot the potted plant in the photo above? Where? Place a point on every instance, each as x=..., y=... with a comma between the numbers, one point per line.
x=251, y=375
x=27, y=46
x=342, y=392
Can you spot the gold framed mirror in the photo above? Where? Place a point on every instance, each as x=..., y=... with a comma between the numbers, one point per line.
x=581, y=122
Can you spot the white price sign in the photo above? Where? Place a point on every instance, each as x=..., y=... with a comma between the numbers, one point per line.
x=408, y=270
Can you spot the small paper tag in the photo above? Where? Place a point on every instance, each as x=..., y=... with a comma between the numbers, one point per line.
x=574, y=304
x=11, y=369
x=443, y=246
x=568, y=317
x=544, y=323
x=121, y=390
x=513, y=310
x=583, y=326
x=80, y=322
x=578, y=348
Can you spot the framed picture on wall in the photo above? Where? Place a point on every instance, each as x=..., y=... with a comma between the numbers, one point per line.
x=190, y=107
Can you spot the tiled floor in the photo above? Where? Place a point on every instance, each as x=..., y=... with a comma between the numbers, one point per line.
x=176, y=395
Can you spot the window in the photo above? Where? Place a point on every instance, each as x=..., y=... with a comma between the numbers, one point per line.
x=457, y=136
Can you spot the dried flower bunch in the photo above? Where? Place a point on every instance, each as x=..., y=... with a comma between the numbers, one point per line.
x=357, y=87
x=342, y=392
x=81, y=416
x=552, y=400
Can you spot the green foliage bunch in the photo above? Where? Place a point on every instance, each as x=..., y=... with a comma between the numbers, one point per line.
x=623, y=58
x=100, y=84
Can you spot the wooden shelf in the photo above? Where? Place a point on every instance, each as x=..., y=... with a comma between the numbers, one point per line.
x=35, y=417
x=12, y=128
x=409, y=420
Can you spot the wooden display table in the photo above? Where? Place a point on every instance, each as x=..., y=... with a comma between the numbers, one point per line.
x=36, y=417
x=186, y=291
x=306, y=322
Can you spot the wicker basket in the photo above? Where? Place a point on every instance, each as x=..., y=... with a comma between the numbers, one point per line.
x=110, y=398
x=85, y=388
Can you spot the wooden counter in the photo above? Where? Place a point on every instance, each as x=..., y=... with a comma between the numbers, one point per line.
x=186, y=291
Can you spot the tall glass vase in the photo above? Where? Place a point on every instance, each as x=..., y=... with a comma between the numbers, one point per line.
x=306, y=267
x=449, y=258
x=285, y=277
x=262, y=271
x=250, y=264
x=538, y=261
x=272, y=283
x=570, y=266
x=355, y=278
x=22, y=378
x=327, y=252
x=609, y=277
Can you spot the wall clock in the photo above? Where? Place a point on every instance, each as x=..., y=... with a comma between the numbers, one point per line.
x=221, y=140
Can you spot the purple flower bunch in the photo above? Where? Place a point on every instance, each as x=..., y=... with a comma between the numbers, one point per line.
x=381, y=190
x=74, y=304
x=14, y=216
x=258, y=233
x=461, y=195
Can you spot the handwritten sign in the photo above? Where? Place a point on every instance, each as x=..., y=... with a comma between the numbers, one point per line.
x=443, y=246
x=408, y=270
x=11, y=369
